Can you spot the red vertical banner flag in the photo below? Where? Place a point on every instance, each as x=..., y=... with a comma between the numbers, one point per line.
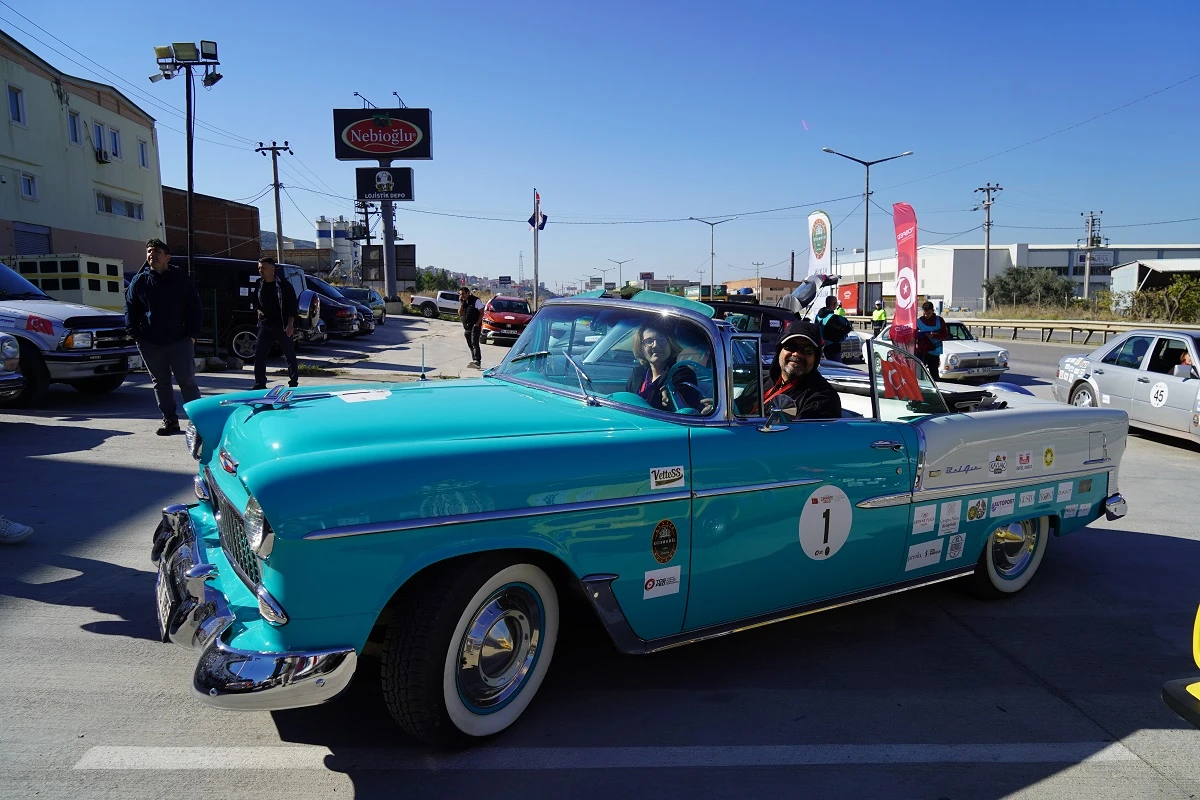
x=904, y=322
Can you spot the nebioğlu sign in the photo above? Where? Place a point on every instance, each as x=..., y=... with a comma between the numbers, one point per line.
x=371, y=134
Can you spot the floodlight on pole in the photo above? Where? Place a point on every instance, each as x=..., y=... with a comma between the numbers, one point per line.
x=619, y=265
x=171, y=60
x=712, y=254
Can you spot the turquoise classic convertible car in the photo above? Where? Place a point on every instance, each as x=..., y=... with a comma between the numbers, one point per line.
x=389, y=521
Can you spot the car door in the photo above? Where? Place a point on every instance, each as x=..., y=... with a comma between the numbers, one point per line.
x=776, y=515
x=1159, y=397
x=1117, y=373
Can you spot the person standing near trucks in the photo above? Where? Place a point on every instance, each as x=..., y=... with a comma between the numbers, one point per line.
x=277, y=312
x=470, y=311
x=878, y=318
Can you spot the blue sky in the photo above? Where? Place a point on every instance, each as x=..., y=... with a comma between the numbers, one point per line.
x=633, y=111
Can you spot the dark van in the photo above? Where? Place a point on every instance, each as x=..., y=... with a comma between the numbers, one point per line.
x=226, y=294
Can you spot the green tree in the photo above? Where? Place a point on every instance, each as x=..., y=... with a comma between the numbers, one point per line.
x=1021, y=285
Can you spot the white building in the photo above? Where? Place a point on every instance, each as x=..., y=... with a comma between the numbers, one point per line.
x=79, y=169
x=953, y=274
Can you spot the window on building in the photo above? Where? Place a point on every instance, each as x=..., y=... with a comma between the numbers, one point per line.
x=114, y=138
x=143, y=154
x=74, y=128
x=118, y=207
x=98, y=135
x=29, y=187
x=16, y=105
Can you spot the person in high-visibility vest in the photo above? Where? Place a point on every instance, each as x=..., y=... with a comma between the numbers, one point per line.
x=841, y=312
x=878, y=318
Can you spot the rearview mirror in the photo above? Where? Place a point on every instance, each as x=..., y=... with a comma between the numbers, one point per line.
x=780, y=408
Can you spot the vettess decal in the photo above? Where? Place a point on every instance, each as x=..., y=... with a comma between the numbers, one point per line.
x=924, y=554
x=666, y=477
x=661, y=582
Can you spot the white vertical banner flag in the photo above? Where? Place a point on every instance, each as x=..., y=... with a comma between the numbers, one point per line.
x=820, y=243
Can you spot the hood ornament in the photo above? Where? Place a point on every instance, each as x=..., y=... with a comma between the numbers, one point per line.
x=278, y=397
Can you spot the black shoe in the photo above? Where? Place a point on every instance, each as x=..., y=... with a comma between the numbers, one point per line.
x=293, y=384
x=258, y=387
x=168, y=427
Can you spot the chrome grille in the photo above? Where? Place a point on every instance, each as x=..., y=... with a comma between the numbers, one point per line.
x=233, y=534
x=111, y=337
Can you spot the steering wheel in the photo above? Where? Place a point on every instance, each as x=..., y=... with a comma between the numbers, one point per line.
x=676, y=401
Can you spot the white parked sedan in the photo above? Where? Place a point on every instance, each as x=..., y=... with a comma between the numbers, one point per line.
x=1148, y=374
x=963, y=356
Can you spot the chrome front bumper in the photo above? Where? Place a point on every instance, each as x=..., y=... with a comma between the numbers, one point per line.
x=193, y=614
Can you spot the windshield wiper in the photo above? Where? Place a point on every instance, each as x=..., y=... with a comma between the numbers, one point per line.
x=581, y=376
x=524, y=356
x=26, y=296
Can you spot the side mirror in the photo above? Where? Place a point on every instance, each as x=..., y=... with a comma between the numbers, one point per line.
x=1184, y=371
x=780, y=408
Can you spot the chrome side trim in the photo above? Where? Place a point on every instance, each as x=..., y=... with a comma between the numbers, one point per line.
x=981, y=488
x=394, y=526
x=1104, y=460
x=754, y=487
x=598, y=589
x=242, y=680
x=886, y=500
x=922, y=449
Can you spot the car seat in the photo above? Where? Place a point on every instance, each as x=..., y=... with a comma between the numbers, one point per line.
x=1134, y=359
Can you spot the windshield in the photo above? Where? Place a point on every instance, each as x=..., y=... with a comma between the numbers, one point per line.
x=360, y=295
x=637, y=356
x=960, y=332
x=906, y=392
x=510, y=306
x=15, y=287
x=322, y=285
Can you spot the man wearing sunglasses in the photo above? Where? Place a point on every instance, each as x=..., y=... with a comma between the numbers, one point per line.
x=794, y=373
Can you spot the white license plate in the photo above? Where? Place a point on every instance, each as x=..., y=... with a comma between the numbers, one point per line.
x=162, y=595
x=978, y=370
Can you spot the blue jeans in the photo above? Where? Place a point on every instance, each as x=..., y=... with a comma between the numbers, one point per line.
x=161, y=361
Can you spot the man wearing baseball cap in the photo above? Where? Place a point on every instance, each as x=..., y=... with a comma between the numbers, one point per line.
x=794, y=373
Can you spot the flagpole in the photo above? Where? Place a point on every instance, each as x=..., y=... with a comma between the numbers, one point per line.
x=537, y=208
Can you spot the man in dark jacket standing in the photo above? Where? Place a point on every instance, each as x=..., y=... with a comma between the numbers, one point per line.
x=832, y=347
x=277, y=312
x=470, y=311
x=162, y=314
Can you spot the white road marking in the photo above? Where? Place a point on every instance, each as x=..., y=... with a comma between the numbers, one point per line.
x=573, y=758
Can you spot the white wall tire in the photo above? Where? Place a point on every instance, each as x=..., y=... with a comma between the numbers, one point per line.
x=468, y=649
x=1011, y=556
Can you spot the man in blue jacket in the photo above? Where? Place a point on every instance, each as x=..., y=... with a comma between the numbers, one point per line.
x=162, y=314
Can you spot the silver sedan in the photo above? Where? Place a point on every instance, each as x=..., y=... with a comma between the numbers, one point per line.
x=1149, y=374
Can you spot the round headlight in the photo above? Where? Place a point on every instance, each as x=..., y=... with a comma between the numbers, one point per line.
x=256, y=525
x=952, y=361
x=1002, y=358
x=9, y=348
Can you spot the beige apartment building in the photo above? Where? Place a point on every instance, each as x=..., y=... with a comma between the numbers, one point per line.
x=79, y=168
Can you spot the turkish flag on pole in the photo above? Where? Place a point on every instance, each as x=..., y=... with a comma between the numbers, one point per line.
x=904, y=323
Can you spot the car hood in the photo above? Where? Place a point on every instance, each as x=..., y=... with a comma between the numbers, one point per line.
x=409, y=417
x=970, y=349
x=51, y=309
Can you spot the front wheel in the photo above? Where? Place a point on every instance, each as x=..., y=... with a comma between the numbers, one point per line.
x=1010, y=558
x=37, y=377
x=468, y=650
x=383, y=318
x=429, y=311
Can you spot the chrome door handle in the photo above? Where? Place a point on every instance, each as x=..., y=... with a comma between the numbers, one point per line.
x=884, y=444
x=1143, y=380
x=1097, y=372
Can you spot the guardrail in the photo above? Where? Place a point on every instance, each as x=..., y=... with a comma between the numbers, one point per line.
x=1046, y=328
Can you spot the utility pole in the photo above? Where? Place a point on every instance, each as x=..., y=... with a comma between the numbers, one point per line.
x=757, y=281
x=275, y=150
x=986, y=205
x=620, y=264
x=836, y=250
x=1090, y=243
x=520, y=267
x=792, y=274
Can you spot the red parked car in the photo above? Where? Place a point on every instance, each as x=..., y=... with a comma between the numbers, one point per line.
x=504, y=319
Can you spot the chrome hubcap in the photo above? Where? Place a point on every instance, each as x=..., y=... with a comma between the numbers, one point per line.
x=243, y=344
x=1013, y=546
x=499, y=648
x=1083, y=398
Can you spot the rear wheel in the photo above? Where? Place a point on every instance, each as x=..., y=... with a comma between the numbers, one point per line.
x=1083, y=396
x=101, y=384
x=469, y=648
x=1010, y=558
x=383, y=318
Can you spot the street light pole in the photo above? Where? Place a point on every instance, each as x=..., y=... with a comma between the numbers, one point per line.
x=619, y=264
x=867, y=211
x=712, y=254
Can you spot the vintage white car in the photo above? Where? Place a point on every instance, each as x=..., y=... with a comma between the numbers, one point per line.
x=963, y=356
x=1148, y=374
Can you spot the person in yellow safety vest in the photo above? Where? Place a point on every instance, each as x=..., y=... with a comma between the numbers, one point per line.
x=878, y=318
x=841, y=312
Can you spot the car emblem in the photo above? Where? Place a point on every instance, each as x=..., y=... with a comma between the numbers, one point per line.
x=228, y=463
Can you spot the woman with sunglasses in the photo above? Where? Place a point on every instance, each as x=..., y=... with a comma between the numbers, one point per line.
x=794, y=373
x=656, y=352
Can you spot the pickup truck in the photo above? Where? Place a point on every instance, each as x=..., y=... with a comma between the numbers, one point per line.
x=61, y=342
x=440, y=303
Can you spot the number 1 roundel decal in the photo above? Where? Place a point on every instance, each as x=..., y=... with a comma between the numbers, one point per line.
x=825, y=522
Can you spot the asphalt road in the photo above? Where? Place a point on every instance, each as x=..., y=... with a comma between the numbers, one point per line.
x=927, y=694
